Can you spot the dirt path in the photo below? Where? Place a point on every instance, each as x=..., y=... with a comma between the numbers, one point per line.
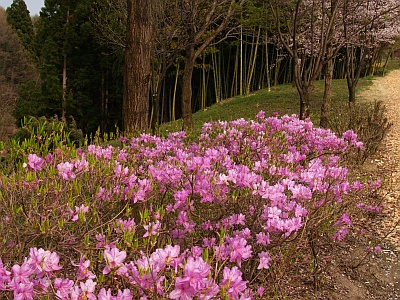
x=387, y=89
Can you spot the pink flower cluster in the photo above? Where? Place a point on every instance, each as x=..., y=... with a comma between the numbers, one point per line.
x=37, y=274
x=228, y=199
x=32, y=274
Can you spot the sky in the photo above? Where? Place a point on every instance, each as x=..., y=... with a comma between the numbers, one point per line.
x=34, y=6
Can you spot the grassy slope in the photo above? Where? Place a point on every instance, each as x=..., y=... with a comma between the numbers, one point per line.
x=282, y=99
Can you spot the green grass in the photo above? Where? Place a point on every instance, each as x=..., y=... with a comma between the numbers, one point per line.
x=282, y=99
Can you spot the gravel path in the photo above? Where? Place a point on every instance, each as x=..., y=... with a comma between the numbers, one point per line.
x=387, y=89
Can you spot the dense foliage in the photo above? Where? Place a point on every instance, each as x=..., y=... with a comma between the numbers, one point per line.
x=16, y=70
x=169, y=218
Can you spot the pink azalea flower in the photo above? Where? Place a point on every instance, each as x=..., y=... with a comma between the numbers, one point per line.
x=44, y=260
x=124, y=295
x=24, y=291
x=260, y=115
x=125, y=225
x=340, y=234
x=376, y=249
x=239, y=250
x=22, y=273
x=265, y=260
x=81, y=164
x=260, y=291
x=105, y=295
x=344, y=219
x=49, y=158
x=183, y=290
x=232, y=279
x=87, y=289
x=65, y=170
x=152, y=228
x=63, y=288
x=4, y=276
x=101, y=238
x=83, y=270
x=114, y=259
x=82, y=209
x=35, y=162
x=263, y=238
x=167, y=256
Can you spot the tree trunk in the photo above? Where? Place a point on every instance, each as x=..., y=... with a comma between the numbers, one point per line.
x=216, y=62
x=241, y=61
x=353, y=71
x=64, y=89
x=203, y=85
x=104, y=103
x=64, y=73
x=234, y=85
x=326, y=101
x=352, y=93
x=174, y=96
x=187, y=88
x=135, y=114
x=253, y=63
x=267, y=62
x=304, y=104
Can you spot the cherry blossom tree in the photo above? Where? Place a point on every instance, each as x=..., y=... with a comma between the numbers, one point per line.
x=369, y=26
x=307, y=30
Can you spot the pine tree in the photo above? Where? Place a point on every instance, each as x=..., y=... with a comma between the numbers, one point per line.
x=77, y=77
x=19, y=19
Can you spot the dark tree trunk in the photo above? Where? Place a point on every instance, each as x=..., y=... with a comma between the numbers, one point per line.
x=304, y=104
x=352, y=93
x=304, y=88
x=187, y=88
x=64, y=74
x=135, y=114
x=326, y=101
x=64, y=89
x=155, y=119
x=354, y=65
x=104, y=103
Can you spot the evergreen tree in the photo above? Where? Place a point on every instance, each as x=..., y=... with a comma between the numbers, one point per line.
x=77, y=78
x=19, y=19
x=16, y=69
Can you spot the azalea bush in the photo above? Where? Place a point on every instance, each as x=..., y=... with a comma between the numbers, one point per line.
x=168, y=218
x=40, y=136
x=368, y=120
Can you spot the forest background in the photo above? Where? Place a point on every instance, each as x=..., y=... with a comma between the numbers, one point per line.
x=77, y=60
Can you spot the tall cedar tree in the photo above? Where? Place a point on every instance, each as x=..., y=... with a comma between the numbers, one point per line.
x=19, y=18
x=75, y=73
x=135, y=113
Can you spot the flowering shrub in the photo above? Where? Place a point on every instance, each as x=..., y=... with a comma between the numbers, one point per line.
x=164, y=218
